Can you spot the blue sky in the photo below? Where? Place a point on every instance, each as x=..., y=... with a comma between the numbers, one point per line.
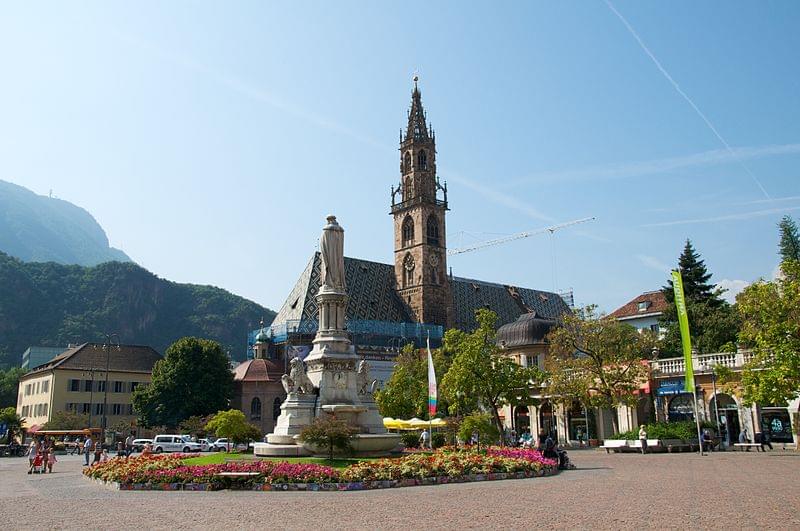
x=211, y=139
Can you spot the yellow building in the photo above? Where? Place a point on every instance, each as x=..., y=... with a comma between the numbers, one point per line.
x=77, y=381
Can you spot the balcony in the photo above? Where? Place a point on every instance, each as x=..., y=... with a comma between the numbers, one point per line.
x=414, y=201
x=702, y=362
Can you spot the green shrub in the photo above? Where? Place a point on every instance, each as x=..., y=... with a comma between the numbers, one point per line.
x=410, y=439
x=438, y=440
x=683, y=430
x=328, y=432
x=481, y=424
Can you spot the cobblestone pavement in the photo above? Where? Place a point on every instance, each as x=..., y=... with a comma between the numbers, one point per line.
x=617, y=491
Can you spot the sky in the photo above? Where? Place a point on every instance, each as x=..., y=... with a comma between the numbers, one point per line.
x=211, y=139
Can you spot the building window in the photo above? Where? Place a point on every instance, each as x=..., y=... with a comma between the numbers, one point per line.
x=98, y=409
x=276, y=408
x=119, y=387
x=27, y=389
x=433, y=230
x=408, y=231
x=74, y=385
x=86, y=408
x=117, y=409
x=422, y=160
x=407, y=162
x=133, y=386
x=129, y=409
x=45, y=386
x=101, y=386
x=255, y=409
x=644, y=305
x=45, y=407
x=654, y=328
x=87, y=386
x=408, y=271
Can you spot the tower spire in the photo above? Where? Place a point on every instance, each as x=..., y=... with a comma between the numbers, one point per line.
x=417, y=128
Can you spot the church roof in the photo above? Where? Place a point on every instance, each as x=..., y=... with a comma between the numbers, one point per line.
x=258, y=370
x=373, y=296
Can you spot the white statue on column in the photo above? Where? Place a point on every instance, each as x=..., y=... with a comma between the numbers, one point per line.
x=331, y=246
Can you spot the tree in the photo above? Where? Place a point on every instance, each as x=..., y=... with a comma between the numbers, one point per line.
x=480, y=424
x=9, y=385
x=13, y=422
x=330, y=433
x=790, y=239
x=194, y=425
x=479, y=374
x=712, y=321
x=405, y=394
x=599, y=358
x=193, y=379
x=232, y=425
x=770, y=313
x=66, y=420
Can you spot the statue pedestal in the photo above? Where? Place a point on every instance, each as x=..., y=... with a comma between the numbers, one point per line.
x=297, y=412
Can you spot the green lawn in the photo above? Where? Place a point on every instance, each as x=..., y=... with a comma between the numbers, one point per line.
x=221, y=457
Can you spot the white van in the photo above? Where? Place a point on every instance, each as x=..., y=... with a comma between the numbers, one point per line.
x=174, y=443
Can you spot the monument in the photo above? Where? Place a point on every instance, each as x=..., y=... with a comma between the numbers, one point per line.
x=332, y=381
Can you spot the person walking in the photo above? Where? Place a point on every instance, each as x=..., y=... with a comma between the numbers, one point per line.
x=766, y=439
x=129, y=445
x=423, y=439
x=643, y=438
x=51, y=460
x=88, y=446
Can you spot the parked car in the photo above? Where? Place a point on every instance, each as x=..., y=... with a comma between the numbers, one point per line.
x=221, y=445
x=205, y=446
x=173, y=443
x=138, y=444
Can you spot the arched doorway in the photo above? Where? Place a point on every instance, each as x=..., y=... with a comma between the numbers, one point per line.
x=577, y=423
x=724, y=407
x=645, y=410
x=521, y=420
x=547, y=420
x=681, y=407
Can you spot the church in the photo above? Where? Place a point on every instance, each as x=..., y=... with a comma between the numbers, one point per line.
x=410, y=301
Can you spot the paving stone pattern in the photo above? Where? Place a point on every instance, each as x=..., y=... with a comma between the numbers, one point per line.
x=618, y=491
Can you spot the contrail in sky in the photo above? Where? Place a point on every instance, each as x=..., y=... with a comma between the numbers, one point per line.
x=683, y=94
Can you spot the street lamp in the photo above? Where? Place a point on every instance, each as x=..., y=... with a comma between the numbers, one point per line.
x=107, y=344
x=91, y=393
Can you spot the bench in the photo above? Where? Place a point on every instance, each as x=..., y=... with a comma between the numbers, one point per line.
x=744, y=446
x=614, y=444
x=237, y=474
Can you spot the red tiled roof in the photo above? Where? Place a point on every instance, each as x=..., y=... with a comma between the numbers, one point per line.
x=120, y=358
x=656, y=300
x=257, y=370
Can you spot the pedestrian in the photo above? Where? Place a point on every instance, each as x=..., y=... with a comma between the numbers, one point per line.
x=766, y=439
x=542, y=439
x=98, y=452
x=579, y=436
x=33, y=449
x=104, y=456
x=708, y=441
x=423, y=439
x=51, y=460
x=88, y=446
x=129, y=445
x=643, y=438
x=45, y=452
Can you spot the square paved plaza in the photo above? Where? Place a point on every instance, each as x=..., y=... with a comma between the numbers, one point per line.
x=618, y=491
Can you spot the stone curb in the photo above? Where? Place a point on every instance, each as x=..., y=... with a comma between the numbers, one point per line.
x=330, y=487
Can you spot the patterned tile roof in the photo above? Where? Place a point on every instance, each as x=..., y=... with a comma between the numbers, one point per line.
x=371, y=287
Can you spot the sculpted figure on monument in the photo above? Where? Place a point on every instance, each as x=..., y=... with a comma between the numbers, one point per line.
x=331, y=247
x=297, y=380
x=364, y=383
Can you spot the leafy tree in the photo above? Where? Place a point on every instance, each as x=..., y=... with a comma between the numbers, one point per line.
x=598, y=358
x=713, y=322
x=405, y=394
x=193, y=379
x=66, y=420
x=479, y=374
x=790, y=239
x=232, y=425
x=330, y=433
x=13, y=422
x=480, y=424
x=9, y=386
x=770, y=313
x=194, y=425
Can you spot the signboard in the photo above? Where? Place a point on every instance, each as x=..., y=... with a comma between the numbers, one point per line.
x=670, y=387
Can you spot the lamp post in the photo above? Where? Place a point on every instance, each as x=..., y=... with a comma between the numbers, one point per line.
x=91, y=393
x=107, y=347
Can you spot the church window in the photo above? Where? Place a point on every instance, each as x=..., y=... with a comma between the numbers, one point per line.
x=408, y=189
x=434, y=275
x=422, y=160
x=408, y=271
x=407, y=162
x=408, y=231
x=255, y=409
x=433, y=230
x=276, y=408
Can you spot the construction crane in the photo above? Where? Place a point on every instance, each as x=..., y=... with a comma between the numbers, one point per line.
x=518, y=236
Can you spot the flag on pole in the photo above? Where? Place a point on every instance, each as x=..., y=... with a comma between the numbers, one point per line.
x=683, y=322
x=431, y=384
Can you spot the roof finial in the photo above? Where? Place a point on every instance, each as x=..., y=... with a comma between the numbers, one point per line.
x=415, y=79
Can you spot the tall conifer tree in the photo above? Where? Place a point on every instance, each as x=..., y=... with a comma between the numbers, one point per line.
x=790, y=239
x=696, y=286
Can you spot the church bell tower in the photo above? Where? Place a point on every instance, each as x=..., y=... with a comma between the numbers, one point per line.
x=420, y=251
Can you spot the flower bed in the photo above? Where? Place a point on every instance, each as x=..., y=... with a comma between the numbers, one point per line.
x=447, y=465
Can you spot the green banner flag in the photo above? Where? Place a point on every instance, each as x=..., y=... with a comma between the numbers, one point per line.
x=683, y=321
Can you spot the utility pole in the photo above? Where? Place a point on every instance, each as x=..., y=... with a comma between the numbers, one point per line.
x=107, y=347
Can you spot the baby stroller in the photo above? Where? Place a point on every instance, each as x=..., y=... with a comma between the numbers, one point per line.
x=38, y=464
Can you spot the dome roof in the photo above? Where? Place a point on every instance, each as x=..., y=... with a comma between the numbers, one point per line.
x=528, y=329
x=262, y=337
x=258, y=370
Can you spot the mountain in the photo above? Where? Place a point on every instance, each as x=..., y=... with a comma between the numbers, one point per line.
x=54, y=304
x=37, y=228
